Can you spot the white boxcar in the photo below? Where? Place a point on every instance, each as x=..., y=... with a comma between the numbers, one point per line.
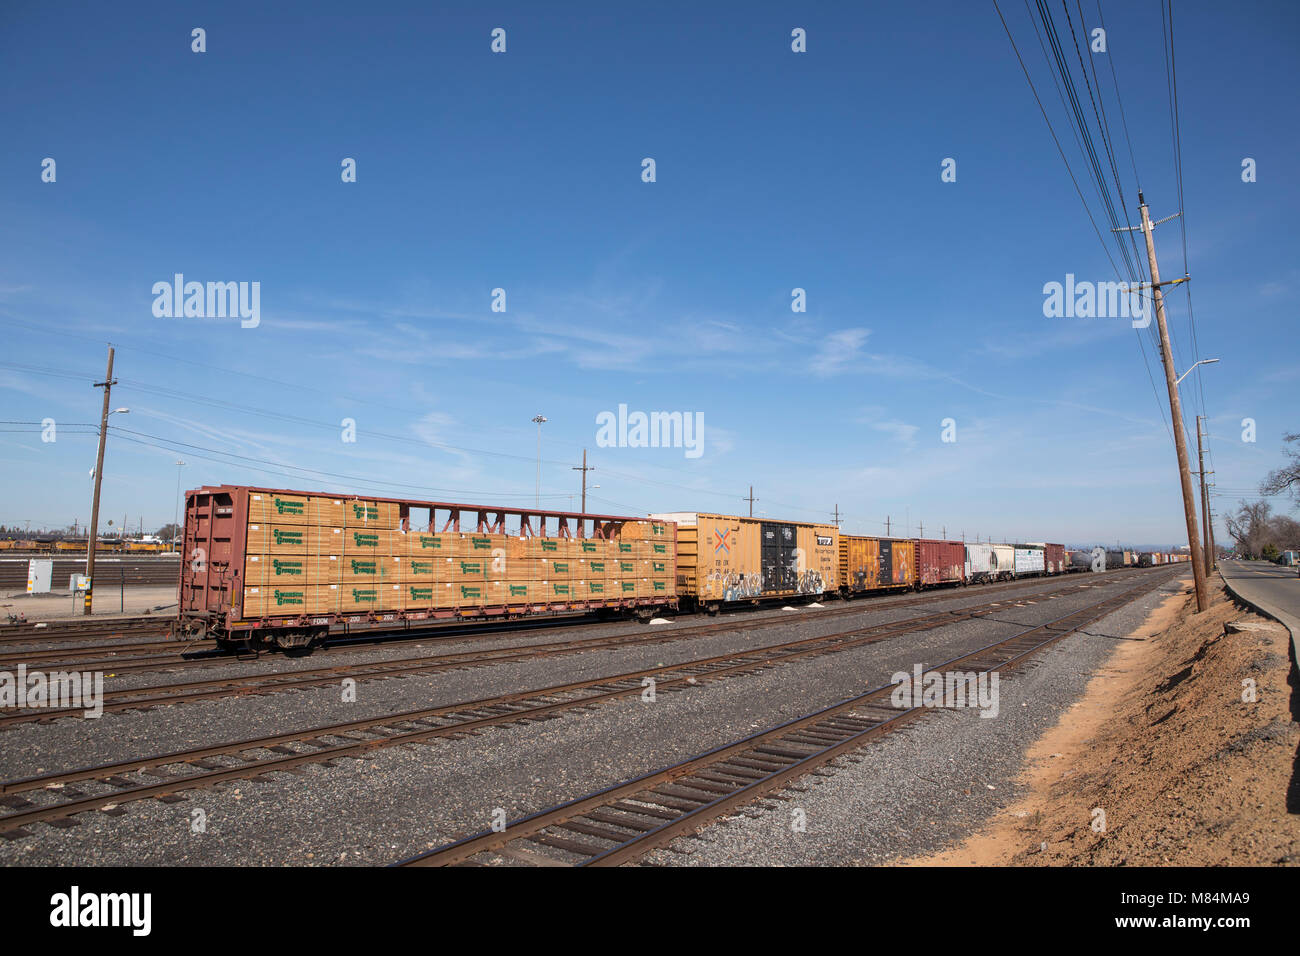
x=981, y=563
x=1004, y=557
x=1029, y=561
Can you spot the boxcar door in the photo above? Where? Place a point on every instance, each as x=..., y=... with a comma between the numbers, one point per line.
x=789, y=557
x=779, y=557
x=770, y=555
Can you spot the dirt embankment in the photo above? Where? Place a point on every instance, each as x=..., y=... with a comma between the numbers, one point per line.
x=1165, y=754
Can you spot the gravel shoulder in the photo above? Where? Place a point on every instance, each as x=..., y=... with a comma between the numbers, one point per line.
x=1184, y=747
x=925, y=786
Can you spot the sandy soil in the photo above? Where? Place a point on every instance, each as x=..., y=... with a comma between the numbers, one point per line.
x=109, y=602
x=1185, y=772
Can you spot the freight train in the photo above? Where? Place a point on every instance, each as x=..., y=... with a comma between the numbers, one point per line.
x=266, y=565
x=48, y=545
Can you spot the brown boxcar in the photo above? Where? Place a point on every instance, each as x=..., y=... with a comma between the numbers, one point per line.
x=1054, y=554
x=876, y=564
x=940, y=562
x=289, y=565
x=725, y=558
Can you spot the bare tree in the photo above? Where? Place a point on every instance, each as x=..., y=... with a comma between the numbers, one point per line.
x=1286, y=478
x=1285, y=533
x=1248, y=527
x=1259, y=533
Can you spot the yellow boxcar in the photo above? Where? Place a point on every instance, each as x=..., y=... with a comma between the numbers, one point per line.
x=723, y=558
x=873, y=564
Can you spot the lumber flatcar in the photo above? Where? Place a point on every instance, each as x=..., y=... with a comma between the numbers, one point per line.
x=290, y=567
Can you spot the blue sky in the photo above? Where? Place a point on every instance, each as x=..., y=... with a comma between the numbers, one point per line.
x=522, y=171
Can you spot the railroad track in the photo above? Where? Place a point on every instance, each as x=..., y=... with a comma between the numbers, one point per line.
x=202, y=767
x=137, y=698
x=621, y=823
x=110, y=654
x=131, y=658
x=41, y=632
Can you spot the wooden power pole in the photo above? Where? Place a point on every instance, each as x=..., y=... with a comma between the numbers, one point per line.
x=584, y=469
x=1205, y=500
x=107, y=385
x=1176, y=412
x=751, y=499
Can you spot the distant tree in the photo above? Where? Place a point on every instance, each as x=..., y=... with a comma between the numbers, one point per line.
x=1248, y=526
x=1259, y=533
x=1286, y=533
x=168, y=531
x=1286, y=478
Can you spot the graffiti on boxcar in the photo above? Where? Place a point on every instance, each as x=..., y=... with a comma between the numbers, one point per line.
x=734, y=585
x=811, y=582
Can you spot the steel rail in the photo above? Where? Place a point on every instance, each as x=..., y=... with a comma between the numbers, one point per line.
x=651, y=810
x=211, y=689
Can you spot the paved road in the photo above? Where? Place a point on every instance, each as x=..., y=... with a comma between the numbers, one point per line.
x=1271, y=587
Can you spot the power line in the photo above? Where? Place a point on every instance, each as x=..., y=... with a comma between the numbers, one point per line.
x=293, y=471
x=1082, y=131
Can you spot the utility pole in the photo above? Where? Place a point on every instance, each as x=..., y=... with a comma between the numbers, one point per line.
x=921, y=534
x=584, y=469
x=837, y=515
x=751, y=499
x=107, y=385
x=1214, y=555
x=1175, y=410
x=887, y=534
x=1205, y=500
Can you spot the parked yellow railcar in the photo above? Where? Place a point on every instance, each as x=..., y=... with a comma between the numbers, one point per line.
x=727, y=558
x=874, y=564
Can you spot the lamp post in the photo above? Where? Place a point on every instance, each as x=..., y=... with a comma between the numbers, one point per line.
x=176, y=523
x=1180, y=378
x=540, y=420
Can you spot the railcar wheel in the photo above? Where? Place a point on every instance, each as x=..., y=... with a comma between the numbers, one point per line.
x=300, y=640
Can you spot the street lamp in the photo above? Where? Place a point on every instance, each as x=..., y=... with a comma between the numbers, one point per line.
x=176, y=522
x=540, y=420
x=1179, y=380
x=584, y=507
